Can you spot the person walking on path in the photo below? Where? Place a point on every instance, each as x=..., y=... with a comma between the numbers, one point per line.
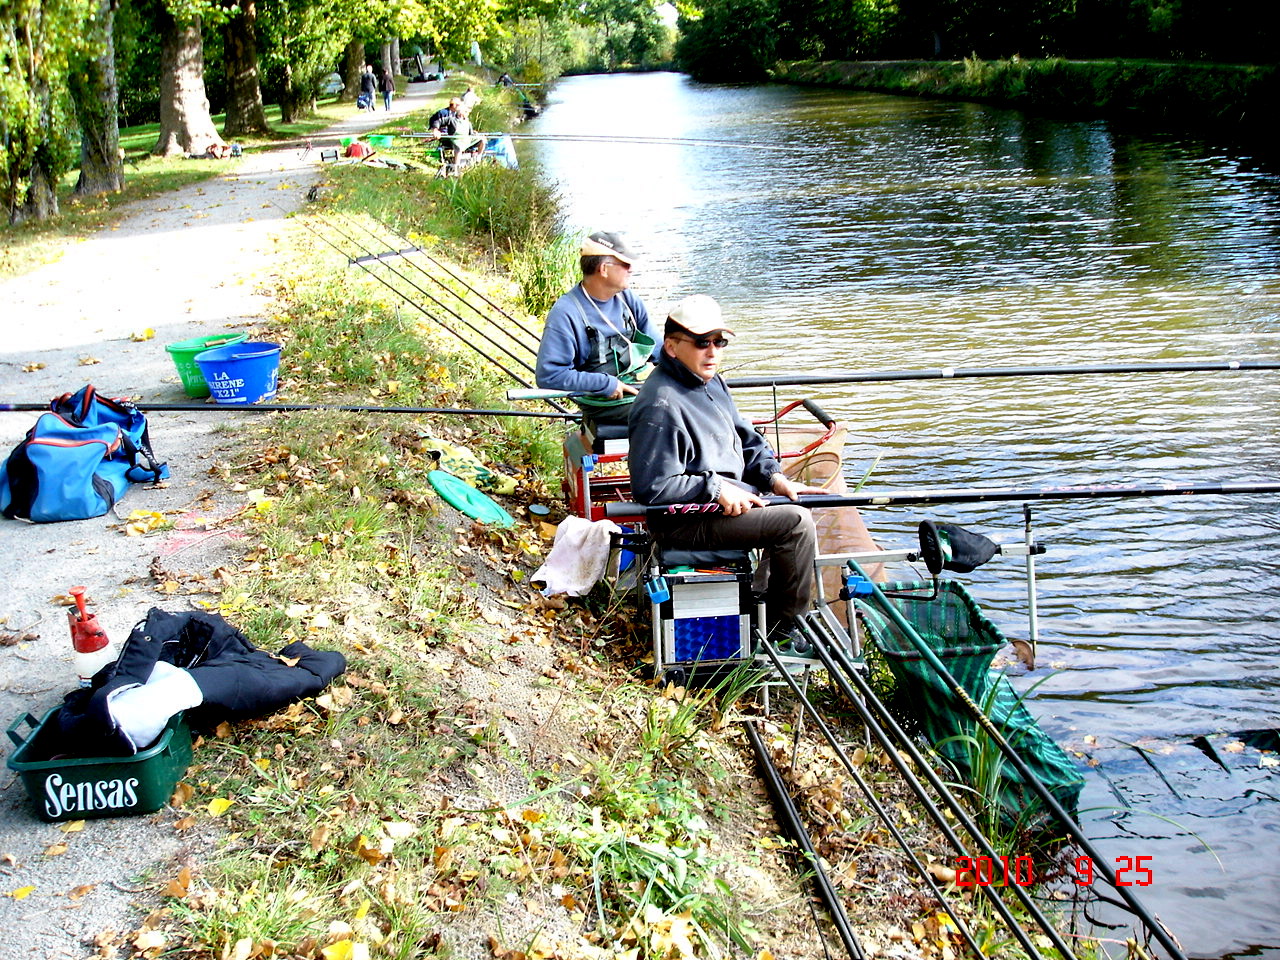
x=368, y=87
x=387, y=85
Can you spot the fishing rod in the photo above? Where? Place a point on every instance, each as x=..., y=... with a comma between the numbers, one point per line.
x=851, y=770
x=620, y=138
x=468, y=287
x=420, y=308
x=1028, y=777
x=297, y=407
x=889, y=498
x=516, y=377
x=471, y=326
x=962, y=373
x=901, y=749
x=415, y=248
x=789, y=819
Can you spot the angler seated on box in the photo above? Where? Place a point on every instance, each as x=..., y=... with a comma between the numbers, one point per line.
x=598, y=340
x=689, y=444
x=467, y=144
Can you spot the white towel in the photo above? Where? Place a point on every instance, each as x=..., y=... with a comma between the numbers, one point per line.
x=142, y=711
x=578, y=556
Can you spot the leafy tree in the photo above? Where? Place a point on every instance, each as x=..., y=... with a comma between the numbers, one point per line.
x=352, y=61
x=137, y=59
x=649, y=42
x=37, y=39
x=733, y=40
x=301, y=43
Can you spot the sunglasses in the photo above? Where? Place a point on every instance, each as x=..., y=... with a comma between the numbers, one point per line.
x=702, y=343
x=619, y=263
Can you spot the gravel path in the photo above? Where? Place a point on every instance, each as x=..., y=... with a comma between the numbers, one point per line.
x=184, y=264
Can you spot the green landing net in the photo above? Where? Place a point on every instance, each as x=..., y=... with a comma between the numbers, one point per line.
x=953, y=626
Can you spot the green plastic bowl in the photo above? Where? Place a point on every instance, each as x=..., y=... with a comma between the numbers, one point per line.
x=380, y=140
x=184, y=358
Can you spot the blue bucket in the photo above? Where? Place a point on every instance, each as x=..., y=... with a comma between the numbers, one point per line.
x=241, y=373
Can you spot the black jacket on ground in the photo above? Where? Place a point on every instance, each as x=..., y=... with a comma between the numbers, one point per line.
x=236, y=679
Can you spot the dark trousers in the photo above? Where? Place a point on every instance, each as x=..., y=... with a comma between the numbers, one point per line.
x=784, y=532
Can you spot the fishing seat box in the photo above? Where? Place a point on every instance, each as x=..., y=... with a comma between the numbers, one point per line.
x=80, y=788
x=587, y=488
x=705, y=618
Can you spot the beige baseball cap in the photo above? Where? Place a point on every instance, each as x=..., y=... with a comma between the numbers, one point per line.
x=700, y=315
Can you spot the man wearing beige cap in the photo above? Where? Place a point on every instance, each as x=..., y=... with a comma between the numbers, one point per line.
x=689, y=444
x=598, y=339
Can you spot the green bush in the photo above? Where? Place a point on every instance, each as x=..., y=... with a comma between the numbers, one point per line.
x=508, y=207
x=544, y=268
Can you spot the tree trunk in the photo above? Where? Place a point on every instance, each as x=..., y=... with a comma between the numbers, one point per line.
x=93, y=90
x=245, y=114
x=386, y=57
x=185, y=123
x=295, y=102
x=352, y=61
x=40, y=202
x=395, y=58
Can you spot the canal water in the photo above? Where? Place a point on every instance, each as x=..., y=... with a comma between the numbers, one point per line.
x=853, y=232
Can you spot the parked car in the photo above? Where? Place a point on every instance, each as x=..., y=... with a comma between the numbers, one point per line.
x=332, y=85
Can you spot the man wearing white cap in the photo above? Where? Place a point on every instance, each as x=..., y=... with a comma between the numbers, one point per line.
x=689, y=444
x=598, y=339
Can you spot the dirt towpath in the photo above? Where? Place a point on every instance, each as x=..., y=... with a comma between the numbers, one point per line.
x=183, y=264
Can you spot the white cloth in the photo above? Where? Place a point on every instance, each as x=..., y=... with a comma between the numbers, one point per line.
x=578, y=556
x=141, y=711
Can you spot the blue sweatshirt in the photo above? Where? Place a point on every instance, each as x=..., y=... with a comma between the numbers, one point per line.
x=565, y=349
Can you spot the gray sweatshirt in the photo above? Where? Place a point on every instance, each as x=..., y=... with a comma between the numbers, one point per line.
x=687, y=438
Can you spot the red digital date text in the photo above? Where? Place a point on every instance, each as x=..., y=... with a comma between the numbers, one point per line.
x=1002, y=871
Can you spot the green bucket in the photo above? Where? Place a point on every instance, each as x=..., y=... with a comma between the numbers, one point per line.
x=79, y=788
x=184, y=358
x=347, y=141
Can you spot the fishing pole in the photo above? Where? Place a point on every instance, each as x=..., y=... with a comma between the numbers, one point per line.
x=912, y=766
x=415, y=248
x=903, y=753
x=296, y=407
x=960, y=373
x=471, y=326
x=1154, y=927
x=619, y=138
x=789, y=818
x=421, y=309
x=470, y=289
x=851, y=769
x=516, y=377
x=889, y=498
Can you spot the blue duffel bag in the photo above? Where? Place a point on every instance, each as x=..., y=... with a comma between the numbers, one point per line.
x=78, y=460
